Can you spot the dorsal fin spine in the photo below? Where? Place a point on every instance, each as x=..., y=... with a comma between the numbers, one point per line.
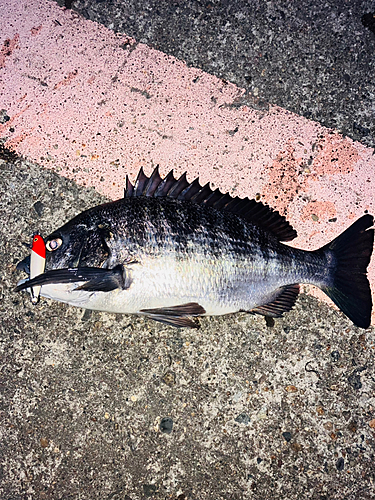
x=153, y=183
x=249, y=210
x=165, y=185
x=128, y=188
x=180, y=185
x=140, y=182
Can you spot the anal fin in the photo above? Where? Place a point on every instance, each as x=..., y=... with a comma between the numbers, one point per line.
x=177, y=316
x=283, y=302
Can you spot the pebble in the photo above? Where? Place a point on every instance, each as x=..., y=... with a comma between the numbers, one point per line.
x=355, y=380
x=320, y=410
x=291, y=388
x=242, y=418
x=166, y=425
x=39, y=208
x=149, y=489
x=287, y=436
x=169, y=379
x=44, y=442
x=296, y=447
x=353, y=426
x=335, y=355
x=340, y=464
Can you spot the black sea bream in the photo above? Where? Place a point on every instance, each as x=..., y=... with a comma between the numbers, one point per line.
x=173, y=250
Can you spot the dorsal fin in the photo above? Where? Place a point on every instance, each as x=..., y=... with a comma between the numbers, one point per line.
x=249, y=210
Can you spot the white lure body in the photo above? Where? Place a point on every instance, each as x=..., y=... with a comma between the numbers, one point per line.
x=37, y=264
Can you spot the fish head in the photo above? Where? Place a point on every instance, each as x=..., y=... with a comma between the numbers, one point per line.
x=79, y=243
x=80, y=262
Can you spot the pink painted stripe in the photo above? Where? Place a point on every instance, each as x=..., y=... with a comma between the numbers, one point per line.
x=94, y=106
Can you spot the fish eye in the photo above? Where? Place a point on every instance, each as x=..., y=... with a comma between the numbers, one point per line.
x=54, y=244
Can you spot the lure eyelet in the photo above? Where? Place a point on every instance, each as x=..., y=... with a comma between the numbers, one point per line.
x=54, y=244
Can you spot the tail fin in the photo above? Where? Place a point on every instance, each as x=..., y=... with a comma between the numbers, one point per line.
x=350, y=289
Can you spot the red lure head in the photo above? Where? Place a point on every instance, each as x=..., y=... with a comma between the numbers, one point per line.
x=39, y=246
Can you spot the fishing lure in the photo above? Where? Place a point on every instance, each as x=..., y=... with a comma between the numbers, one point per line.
x=37, y=264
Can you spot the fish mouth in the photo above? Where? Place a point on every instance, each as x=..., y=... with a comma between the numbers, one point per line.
x=60, y=276
x=94, y=279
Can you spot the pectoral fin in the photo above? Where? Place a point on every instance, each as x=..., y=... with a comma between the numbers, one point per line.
x=176, y=315
x=108, y=280
x=97, y=279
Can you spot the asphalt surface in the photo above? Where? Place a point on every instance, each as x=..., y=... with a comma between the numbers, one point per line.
x=100, y=406
x=314, y=58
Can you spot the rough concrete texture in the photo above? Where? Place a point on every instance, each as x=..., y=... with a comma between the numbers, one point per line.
x=315, y=58
x=95, y=106
x=98, y=406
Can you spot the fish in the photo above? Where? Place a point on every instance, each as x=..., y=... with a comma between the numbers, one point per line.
x=173, y=250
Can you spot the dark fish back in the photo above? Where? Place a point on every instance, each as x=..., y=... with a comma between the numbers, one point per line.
x=159, y=225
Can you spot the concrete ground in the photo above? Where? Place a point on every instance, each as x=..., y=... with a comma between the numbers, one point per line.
x=313, y=58
x=101, y=406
